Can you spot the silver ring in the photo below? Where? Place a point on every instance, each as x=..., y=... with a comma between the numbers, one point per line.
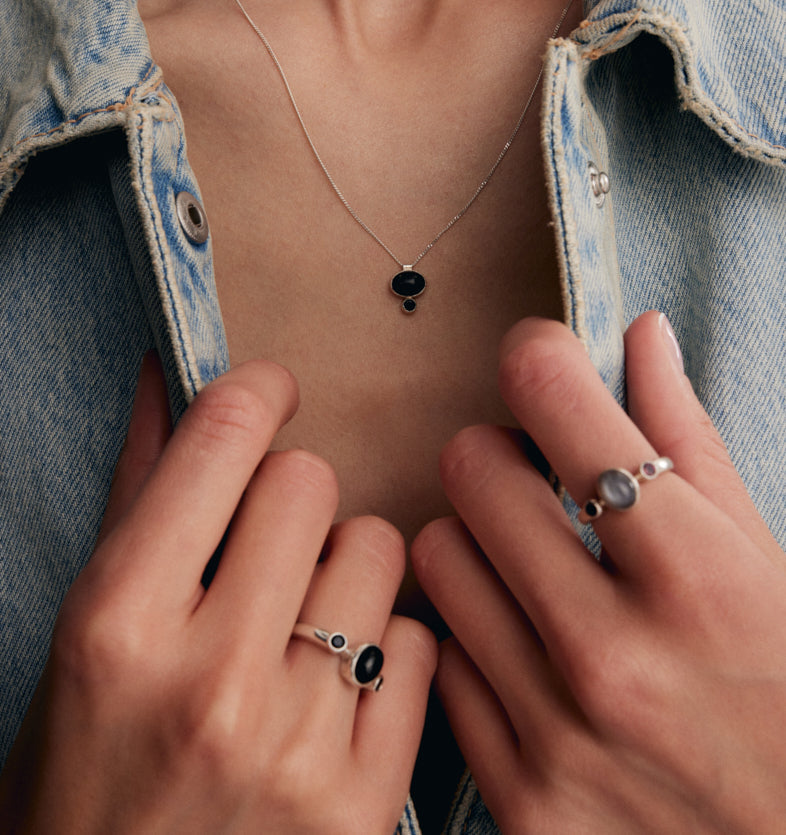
x=619, y=489
x=360, y=665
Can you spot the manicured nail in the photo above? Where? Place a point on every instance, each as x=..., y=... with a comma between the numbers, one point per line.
x=672, y=345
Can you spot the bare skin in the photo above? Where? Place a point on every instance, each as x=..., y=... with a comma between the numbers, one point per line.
x=166, y=707
x=648, y=690
x=409, y=105
x=651, y=689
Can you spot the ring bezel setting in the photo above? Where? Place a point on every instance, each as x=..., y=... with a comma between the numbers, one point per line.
x=364, y=667
x=619, y=489
x=361, y=666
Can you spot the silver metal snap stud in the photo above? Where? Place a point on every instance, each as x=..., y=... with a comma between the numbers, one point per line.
x=192, y=217
x=599, y=182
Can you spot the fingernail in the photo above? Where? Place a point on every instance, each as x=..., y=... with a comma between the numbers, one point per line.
x=672, y=346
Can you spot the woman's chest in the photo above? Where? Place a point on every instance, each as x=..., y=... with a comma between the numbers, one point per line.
x=302, y=282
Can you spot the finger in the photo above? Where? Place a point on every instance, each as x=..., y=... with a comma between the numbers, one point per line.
x=551, y=386
x=389, y=723
x=664, y=407
x=548, y=380
x=482, y=729
x=148, y=432
x=352, y=592
x=163, y=542
x=486, y=619
x=268, y=560
x=359, y=578
x=520, y=525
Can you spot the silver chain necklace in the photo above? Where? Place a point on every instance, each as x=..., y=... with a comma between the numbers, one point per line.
x=407, y=283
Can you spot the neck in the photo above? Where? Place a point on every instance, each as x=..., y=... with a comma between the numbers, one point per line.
x=377, y=30
x=384, y=27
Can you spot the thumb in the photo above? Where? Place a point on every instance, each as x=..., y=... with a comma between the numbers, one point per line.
x=148, y=432
x=663, y=405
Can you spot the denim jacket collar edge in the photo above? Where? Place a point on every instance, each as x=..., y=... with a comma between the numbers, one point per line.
x=728, y=60
x=76, y=62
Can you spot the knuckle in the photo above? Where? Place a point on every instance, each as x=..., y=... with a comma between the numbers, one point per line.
x=539, y=370
x=229, y=414
x=430, y=544
x=699, y=437
x=422, y=647
x=382, y=547
x=466, y=459
x=266, y=380
x=97, y=648
x=299, y=470
x=614, y=686
x=212, y=738
x=291, y=781
x=714, y=449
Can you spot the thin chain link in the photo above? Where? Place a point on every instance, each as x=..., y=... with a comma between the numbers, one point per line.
x=363, y=225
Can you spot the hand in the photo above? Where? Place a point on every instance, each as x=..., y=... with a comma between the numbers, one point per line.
x=169, y=708
x=644, y=695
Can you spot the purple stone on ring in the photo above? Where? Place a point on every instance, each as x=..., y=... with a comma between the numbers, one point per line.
x=648, y=469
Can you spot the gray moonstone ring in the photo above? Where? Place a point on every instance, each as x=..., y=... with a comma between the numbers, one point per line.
x=619, y=489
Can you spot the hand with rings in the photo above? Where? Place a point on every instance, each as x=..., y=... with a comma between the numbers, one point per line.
x=645, y=692
x=166, y=707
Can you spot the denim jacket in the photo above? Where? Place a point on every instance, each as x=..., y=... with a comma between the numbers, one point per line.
x=664, y=139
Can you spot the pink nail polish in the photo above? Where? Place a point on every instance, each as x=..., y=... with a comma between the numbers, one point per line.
x=672, y=345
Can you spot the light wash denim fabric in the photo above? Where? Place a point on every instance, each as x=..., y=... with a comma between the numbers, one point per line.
x=681, y=103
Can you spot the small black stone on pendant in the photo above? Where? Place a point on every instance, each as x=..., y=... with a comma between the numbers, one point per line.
x=406, y=285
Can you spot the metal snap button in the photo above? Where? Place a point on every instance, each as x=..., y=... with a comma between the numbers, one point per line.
x=192, y=217
x=599, y=182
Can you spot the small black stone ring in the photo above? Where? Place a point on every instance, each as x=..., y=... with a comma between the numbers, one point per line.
x=619, y=489
x=360, y=666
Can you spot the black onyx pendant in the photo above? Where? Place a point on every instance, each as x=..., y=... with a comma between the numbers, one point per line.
x=407, y=285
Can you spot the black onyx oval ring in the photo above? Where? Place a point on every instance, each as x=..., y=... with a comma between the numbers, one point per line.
x=360, y=666
x=619, y=489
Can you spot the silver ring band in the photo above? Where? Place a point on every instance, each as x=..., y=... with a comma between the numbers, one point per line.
x=619, y=489
x=360, y=665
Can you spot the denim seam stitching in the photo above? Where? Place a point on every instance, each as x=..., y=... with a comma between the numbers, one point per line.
x=182, y=357
x=116, y=107
x=571, y=281
x=599, y=51
x=14, y=159
x=669, y=30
